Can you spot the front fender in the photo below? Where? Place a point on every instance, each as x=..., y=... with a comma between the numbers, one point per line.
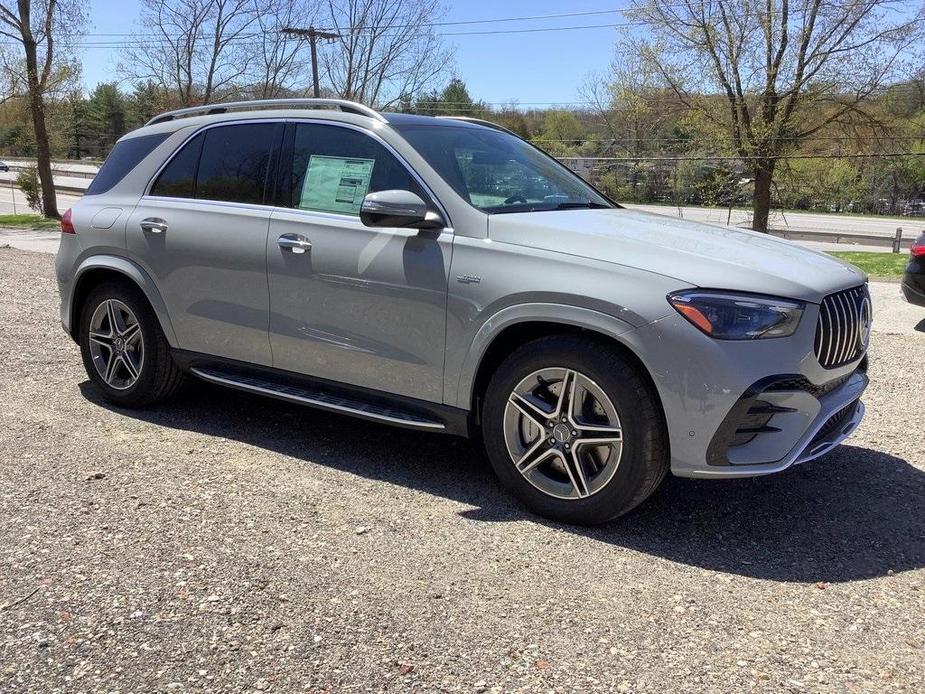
x=460, y=390
x=128, y=269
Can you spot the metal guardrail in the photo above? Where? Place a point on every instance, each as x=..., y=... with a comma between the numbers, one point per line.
x=14, y=166
x=896, y=243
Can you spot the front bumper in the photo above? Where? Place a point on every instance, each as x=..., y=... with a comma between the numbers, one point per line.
x=913, y=295
x=784, y=421
x=707, y=387
x=914, y=281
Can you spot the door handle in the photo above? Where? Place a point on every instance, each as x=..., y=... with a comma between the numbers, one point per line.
x=294, y=242
x=154, y=225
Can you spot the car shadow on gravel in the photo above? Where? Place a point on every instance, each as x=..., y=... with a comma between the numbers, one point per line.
x=852, y=515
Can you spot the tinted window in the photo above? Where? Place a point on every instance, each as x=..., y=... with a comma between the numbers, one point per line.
x=178, y=179
x=334, y=168
x=235, y=162
x=123, y=158
x=498, y=172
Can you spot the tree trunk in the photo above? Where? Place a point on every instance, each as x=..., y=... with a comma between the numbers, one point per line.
x=37, y=106
x=761, y=197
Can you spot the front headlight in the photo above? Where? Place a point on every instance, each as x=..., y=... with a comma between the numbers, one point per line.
x=733, y=316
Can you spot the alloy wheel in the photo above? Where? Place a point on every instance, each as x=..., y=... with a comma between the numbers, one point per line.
x=563, y=433
x=116, y=344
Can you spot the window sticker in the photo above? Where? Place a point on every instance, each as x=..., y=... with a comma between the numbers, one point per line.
x=336, y=184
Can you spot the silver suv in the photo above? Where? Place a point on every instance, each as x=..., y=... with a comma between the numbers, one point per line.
x=445, y=275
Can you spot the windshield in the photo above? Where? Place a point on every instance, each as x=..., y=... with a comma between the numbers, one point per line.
x=497, y=172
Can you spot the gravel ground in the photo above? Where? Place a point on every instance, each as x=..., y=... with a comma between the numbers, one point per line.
x=231, y=543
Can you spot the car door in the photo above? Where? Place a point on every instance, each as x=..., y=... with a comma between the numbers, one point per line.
x=201, y=233
x=363, y=306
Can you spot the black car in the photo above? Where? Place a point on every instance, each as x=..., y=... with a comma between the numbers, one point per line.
x=4, y=166
x=914, y=279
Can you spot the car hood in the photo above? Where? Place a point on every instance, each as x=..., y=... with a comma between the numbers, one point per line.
x=698, y=254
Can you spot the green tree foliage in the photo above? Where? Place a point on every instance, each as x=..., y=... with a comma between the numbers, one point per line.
x=28, y=182
x=562, y=133
x=145, y=102
x=77, y=129
x=513, y=120
x=453, y=100
x=107, y=115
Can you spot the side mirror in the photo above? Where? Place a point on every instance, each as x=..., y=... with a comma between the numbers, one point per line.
x=398, y=208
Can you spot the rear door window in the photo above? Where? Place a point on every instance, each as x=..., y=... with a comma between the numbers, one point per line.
x=230, y=163
x=235, y=162
x=124, y=157
x=178, y=179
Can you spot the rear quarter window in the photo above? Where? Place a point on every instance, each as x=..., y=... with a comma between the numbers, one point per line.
x=124, y=157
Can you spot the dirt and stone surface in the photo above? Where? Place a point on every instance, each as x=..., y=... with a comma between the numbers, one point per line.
x=228, y=543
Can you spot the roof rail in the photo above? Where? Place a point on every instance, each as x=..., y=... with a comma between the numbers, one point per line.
x=209, y=109
x=480, y=121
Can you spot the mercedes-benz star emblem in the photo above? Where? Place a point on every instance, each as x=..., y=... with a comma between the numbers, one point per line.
x=864, y=322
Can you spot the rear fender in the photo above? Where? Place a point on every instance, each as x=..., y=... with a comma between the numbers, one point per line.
x=92, y=266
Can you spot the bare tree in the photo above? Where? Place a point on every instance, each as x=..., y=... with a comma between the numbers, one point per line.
x=630, y=101
x=280, y=62
x=34, y=26
x=387, y=49
x=783, y=69
x=194, y=49
x=228, y=54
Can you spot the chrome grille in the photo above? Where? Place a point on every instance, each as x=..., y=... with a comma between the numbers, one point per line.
x=843, y=327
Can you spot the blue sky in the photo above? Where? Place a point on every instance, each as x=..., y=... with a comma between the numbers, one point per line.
x=528, y=67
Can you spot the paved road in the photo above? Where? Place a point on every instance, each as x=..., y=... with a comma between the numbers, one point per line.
x=64, y=167
x=229, y=543
x=12, y=200
x=798, y=221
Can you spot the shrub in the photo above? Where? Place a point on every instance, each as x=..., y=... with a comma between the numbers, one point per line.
x=28, y=182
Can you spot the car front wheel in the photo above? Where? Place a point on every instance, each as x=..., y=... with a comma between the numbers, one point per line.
x=574, y=430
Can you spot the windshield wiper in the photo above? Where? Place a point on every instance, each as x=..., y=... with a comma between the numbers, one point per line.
x=546, y=207
x=587, y=204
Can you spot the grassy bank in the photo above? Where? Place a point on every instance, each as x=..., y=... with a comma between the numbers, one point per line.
x=876, y=264
x=27, y=221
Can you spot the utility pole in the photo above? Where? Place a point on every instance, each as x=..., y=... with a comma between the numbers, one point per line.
x=312, y=34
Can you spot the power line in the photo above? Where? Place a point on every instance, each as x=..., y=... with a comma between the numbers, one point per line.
x=538, y=29
x=248, y=37
x=498, y=20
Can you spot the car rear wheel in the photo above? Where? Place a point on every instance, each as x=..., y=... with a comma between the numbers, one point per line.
x=574, y=430
x=124, y=349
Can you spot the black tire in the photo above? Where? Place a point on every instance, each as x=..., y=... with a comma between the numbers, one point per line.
x=644, y=460
x=159, y=377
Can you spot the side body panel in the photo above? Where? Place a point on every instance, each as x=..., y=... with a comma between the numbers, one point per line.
x=364, y=306
x=210, y=266
x=494, y=285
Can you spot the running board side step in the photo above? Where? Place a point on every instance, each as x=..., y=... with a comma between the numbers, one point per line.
x=315, y=397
